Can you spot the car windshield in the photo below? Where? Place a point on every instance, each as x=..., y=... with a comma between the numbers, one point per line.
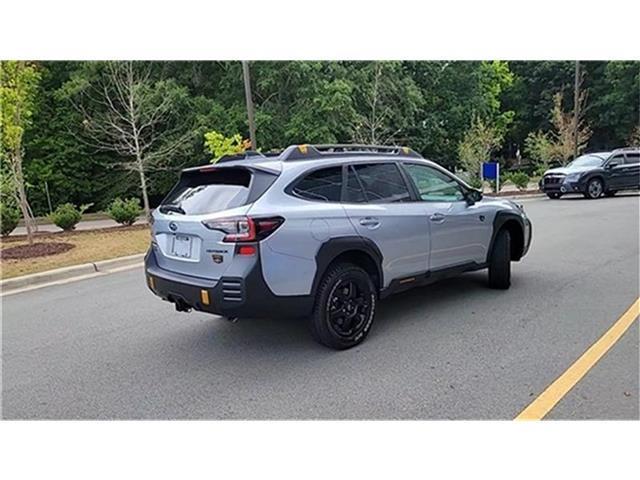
x=587, y=161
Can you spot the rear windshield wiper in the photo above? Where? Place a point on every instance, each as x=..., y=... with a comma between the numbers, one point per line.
x=170, y=207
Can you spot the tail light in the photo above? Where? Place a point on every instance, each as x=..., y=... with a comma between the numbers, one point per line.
x=244, y=229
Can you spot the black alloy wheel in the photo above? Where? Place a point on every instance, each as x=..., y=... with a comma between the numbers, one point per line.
x=345, y=306
x=349, y=306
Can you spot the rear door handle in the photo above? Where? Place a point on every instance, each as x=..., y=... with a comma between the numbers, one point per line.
x=370, y=222
x=437, y=217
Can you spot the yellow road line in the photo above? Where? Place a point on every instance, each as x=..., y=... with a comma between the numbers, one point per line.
x=565, y=382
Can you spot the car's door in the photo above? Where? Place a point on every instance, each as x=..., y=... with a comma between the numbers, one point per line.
x=615, y=168
x=378, y=202
x=460, y=232
x=632, y=170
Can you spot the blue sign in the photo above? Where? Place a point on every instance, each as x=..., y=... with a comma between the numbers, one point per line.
x=490, y=170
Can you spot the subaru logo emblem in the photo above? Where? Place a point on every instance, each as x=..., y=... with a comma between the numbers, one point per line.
x=173, y=226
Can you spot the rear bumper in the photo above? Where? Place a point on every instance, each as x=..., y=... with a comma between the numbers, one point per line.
x=242, y=293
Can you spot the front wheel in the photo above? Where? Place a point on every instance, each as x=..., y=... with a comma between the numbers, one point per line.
x=500, y=262
x=345, y=307
x=595, y=188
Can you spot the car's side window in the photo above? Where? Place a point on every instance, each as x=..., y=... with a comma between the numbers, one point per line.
x=354, y=192
x=632, y=158
x=323, y=185
x=618, y=159
x=433, y=185
x=382, y=183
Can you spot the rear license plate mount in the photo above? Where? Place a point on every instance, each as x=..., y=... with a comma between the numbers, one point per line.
x=181, y=246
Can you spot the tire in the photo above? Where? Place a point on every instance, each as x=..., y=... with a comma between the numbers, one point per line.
x=345, y=307
x=500, y=262
x=553, y=196
x=595, y=189
x=610, y=193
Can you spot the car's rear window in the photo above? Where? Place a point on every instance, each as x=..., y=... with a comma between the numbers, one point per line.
x=204, y=192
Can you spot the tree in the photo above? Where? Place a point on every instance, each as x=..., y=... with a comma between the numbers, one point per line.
x=569, y=129
x=386, y=103
x=477, y=145
x=540, y=147
x=18, y=87
x=127, y=112
x=634, y=138
x=219, y=145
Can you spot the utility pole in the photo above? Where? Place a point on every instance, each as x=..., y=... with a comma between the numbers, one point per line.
x=247, y=94
x=576, y=107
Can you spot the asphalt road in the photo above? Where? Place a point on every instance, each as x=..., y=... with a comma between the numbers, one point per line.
x=106, y=348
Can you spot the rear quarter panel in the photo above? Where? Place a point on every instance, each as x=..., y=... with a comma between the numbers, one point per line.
x=288, y=256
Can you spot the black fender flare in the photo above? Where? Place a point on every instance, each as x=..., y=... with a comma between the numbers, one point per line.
x=335, y=247
x=499, y=220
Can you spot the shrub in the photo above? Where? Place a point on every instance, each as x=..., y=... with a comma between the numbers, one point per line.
x=475, y=182
x=9, y=218
x=67, y=215
x=520, y=180
x=125, y=212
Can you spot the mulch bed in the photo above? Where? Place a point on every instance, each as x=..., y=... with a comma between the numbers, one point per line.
x=38, y=249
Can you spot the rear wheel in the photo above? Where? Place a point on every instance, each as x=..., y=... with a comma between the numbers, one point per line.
x=345, y=307
x=595, y=188
x=500, y=262
x=553, y=196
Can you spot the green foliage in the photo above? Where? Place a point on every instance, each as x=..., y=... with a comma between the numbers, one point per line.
x=427, y=105
x=475, y=182
x=219, y=145
x=67, y=215
x=125, y=212
x=18, y=88
x=9, y=218
x=539, y=146
x=476, y=146
x=520, y=180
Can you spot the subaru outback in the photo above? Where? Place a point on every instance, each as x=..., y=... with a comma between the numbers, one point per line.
x=324, y=232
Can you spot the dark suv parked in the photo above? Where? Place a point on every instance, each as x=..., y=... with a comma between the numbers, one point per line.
x=595, y=174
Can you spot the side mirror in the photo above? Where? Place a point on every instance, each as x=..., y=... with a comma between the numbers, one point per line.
x=473, y=196
x=610, y=165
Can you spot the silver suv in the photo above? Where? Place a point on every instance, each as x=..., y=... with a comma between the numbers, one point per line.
x=323, y=232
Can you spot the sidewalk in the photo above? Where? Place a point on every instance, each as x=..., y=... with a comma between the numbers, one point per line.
x=83, y=225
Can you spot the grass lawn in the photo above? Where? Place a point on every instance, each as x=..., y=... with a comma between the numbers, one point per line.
x=90, y=246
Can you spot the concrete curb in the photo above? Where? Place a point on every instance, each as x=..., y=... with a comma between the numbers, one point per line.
x=36, y=279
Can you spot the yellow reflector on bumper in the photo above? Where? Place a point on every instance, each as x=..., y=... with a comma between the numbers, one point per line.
x=204, y=297
x=152, y=282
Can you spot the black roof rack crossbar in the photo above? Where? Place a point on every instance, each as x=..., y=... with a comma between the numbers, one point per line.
x=314, y=152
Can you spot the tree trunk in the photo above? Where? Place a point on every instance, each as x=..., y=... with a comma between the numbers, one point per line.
x=143, y=187
x=22, y=197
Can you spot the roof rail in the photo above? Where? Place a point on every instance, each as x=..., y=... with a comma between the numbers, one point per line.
x=624, y=149
x=314, y=152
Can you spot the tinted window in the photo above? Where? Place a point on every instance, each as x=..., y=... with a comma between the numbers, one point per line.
x=619, y=159
x=322, y=185
x=354, y=192
x=633, y=158
x=382, y=183
x=198, y=193
x=433, y=185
